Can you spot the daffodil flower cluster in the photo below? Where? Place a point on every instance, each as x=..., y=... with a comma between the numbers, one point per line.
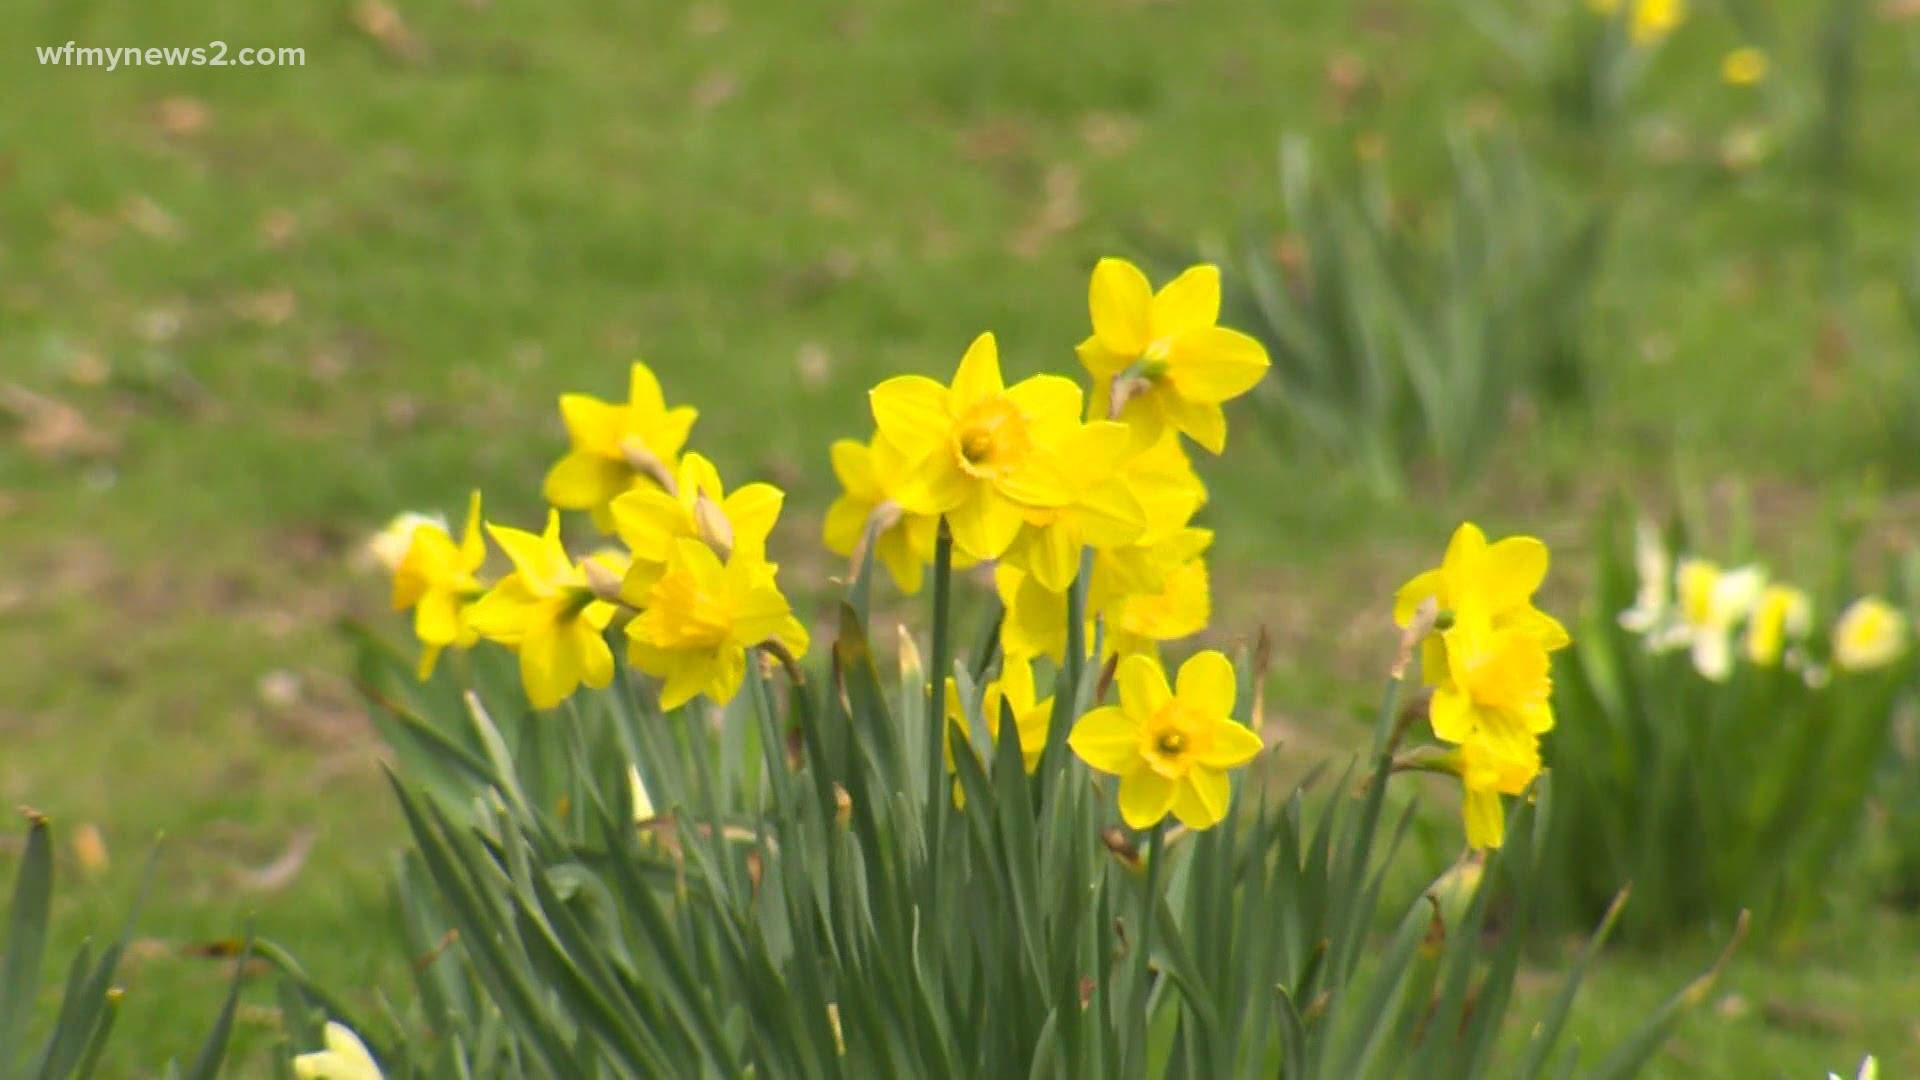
x=1486, y=660
x=688, y=579
x=1033, y=474
x=1720, y=615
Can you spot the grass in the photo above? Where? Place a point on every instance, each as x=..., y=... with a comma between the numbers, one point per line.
x=254, y=312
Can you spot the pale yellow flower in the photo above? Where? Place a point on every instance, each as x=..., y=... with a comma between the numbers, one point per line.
x=1871, y=633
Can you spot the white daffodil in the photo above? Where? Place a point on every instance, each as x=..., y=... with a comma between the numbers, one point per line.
x=1653, y=604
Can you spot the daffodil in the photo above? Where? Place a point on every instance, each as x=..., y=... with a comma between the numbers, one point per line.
x=1489, y=770
x=1870, y=633
x=702, y=615
x=1653, y=602
x=1496, y=688
x=1783, y=614
x=1494, y=583
x=615, y=448
x=1712, y=603
x=1171, y=747
x=1145, y=594
x=548, y=613
x=387, y=547
x=652, y=522
x=439, y=580
x=979, y=452
x=1167, y=488
x=902, y=542
x=1162, y=356
x=1653, y=20
x=1014, y=690
x=1744, y=66
x=1103, y=513
x=1179, y=606
x=345, y=1058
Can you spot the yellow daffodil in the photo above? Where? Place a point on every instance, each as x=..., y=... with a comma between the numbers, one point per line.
x=1744, y=66
x=345, y=1058
x=1174, y=365
x=702, y=615
x=615, y=448
x=547, y=613
x=1712, y=603
x=1168, y=489
x=1171, y=747
x=652, y=522
x=1146, y=594
x=1031, y=718
x=1492, y=582
x=1104, y=511
x=1180, y=606
x=1496, y=687
x=979, y=452
x=439, y=580
x=1653, y=20
x=903, y=542
x=387, y=547
x=1870, y=633
x=1488, y=771
x=1783, y=614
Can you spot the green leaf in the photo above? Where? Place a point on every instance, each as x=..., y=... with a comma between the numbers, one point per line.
x=26, y=933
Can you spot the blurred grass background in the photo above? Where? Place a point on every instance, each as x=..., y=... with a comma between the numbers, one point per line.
x=246, y=314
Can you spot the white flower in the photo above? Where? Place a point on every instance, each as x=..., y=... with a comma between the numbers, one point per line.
x=1869, y=1070
x=345, y=1058
x=1871, y=633
x=1652, y=605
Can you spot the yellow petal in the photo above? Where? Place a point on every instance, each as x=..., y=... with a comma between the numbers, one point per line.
x=985, y=524
x=549, y=669
x=1101, y=362
x=592, y=424
x=725, y=675
x=436, y=621
x=1188, y=302
x=583, y=480
x=1106, y=740
x=846, y=521
x=1511, y=570
x=978, y=376
x=752, y=511
x=1050, y=404
x=649, y=521
x=1204, y=423
x=1486, y=821
x=503, y=614
x=895, y=552
x=853, y=467
x=1120, y=298
x=1463, y=550
x=912, y=413
x=935, y=485
x=1233, y=745
x=1201, y=797
x=1214, y=364
x=1143, y=688
x=473, y=542
x=1051, y=554
x=539, y=560
x=429, y=659
x=643, y=391
x=1207, y=684
x=595, y=658
x=1418, y=589
x=1145, y=797
x=1451, y=714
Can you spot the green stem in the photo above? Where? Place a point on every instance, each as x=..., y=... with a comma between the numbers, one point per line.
x=937, y=687
x=1156, y=851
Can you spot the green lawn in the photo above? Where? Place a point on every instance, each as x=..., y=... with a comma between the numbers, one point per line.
x=247, y=314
